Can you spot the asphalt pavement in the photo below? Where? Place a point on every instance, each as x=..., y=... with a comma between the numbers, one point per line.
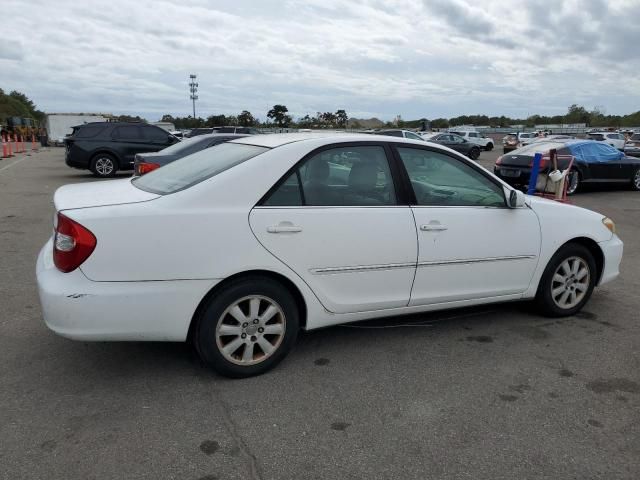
x=493, y=392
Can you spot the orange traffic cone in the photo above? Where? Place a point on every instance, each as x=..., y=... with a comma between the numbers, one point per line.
x=10, y=147
x=5, y=149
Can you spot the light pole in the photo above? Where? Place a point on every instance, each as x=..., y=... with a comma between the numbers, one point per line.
x=193, y=88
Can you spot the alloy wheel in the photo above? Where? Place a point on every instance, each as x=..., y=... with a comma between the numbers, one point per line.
x=636, y=180
x=250, y=330
x=104, y=166
x=570, y=282
x=574, y=180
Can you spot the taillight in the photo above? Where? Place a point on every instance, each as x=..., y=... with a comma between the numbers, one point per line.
x=543, y=163
x=72, y=244
x=146, y=167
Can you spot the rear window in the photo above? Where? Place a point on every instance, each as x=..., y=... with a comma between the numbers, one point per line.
x=186, y=145
x=89, y=131
x=635, y=136
x=536, y=147
x=596, y=136
x=193, y=169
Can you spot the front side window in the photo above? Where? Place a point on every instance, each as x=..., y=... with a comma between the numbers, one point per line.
x=440, y=180
x=195, y=168
x=344, y=176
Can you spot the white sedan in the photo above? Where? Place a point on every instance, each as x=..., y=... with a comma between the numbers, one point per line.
x=237, y=247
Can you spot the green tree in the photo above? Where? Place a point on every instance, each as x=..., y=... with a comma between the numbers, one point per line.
x=341, y=118
x=279, y=115
x=246, y=119
x=577, y=114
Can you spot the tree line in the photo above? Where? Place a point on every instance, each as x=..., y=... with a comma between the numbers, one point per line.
x=17, y=104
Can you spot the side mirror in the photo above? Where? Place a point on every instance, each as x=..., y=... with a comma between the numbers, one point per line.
x=516, y=199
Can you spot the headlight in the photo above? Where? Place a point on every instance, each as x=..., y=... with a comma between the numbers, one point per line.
x=609, y=224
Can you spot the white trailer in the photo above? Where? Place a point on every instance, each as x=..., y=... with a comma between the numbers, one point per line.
x=59, y=125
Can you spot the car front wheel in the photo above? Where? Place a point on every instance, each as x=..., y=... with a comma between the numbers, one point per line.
x=567, y=282
x=489, y=147
x=247, y=328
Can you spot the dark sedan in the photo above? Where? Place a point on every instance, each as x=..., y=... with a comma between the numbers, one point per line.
x=147, y=162
x=457, y=143
x=594, y=162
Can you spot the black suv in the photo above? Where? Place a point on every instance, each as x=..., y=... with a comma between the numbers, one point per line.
x=106, y=147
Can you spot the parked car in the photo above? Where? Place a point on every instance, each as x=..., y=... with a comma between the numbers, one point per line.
x=457, y=143
x=204, y=131
x=251, y=241
x=106, y=147
x=475, y=137
x=147, y=162
x=632, y=147
x=515, y=140
x=399, y=133
x=594, y=162
x=614, y=139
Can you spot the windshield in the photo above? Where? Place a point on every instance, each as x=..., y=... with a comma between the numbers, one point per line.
x=195, y=168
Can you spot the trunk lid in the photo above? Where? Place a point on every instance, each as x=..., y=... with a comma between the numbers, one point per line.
x=516, y=160
x=98, y=194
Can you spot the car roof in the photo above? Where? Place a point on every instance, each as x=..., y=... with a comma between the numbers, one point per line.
x=219, y=135
x=277, y=139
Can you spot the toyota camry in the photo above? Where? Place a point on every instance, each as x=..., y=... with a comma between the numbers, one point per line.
x=237, y=247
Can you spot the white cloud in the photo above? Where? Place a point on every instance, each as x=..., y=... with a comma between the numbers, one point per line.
x=426, y=58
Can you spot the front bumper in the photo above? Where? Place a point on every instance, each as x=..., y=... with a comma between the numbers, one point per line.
x=75, y=307
x=612, y=252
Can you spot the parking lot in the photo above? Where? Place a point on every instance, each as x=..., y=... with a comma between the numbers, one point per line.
x=484, y=393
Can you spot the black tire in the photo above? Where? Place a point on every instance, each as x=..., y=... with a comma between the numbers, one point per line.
x=544, y=297
x=104, y=165
x=474, y=153
x=209, y=345
x=489, y=147
x=573, y=182
x=635, y=180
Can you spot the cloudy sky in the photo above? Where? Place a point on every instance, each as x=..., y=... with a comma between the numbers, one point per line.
x=429, y=58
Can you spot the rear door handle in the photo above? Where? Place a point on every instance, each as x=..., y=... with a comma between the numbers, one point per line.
x=284, y=227
x=433, y=227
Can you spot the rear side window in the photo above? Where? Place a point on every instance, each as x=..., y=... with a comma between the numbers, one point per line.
x=193, y=169
x=344, y=176
x=127, y=133
x=89, y=131
x=392, y=134
x=226, y=130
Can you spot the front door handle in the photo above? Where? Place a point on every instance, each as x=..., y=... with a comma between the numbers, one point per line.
x=284, y=227
x=433, y=227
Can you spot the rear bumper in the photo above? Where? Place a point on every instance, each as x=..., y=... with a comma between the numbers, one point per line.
x=75, y=307
x=612, y=251
x=513, y=175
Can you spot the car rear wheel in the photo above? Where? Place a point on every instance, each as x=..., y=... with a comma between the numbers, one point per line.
x=247, y=328
x=104, y=165
x=573, y=182
x=635, y=180
x=474, y=153
x=567, y=282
